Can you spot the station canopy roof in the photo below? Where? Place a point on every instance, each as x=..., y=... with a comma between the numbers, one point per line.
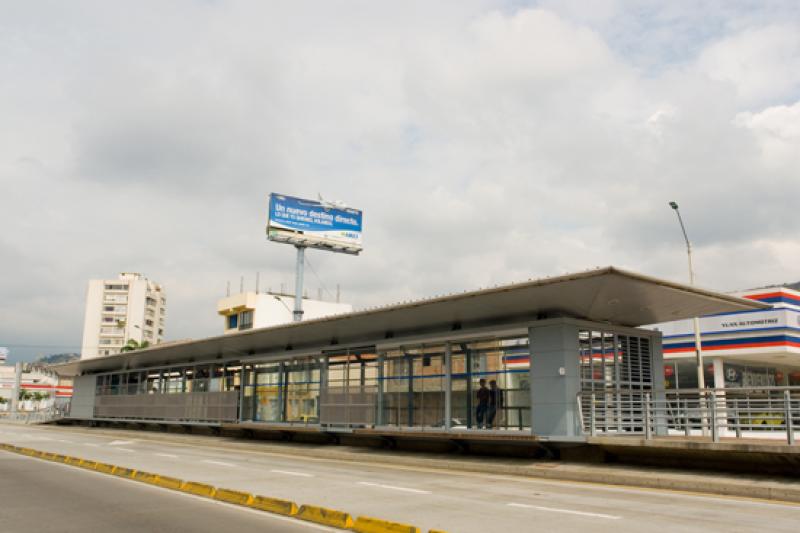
x=608, y=295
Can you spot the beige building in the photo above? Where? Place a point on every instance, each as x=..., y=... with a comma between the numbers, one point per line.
x=252, y=310
x=129, y=307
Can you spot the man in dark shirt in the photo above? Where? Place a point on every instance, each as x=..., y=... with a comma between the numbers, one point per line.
x=495, y=402
x=483, y=404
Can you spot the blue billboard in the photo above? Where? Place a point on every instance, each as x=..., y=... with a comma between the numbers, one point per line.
x=314, y=224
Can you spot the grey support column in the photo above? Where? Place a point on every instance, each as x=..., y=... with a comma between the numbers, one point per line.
x=555, y=381
x=658, y=395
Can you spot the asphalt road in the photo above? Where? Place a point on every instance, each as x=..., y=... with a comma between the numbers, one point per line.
x=457, y=502
x=46, y=497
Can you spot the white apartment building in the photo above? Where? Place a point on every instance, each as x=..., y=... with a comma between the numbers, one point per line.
x=252, y=310
x=130, y=307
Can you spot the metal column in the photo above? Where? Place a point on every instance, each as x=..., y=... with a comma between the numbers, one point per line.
x=298, y=284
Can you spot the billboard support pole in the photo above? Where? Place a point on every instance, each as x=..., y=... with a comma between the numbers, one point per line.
x=297, y=315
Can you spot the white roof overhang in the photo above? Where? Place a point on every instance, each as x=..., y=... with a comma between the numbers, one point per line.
x=607, y=295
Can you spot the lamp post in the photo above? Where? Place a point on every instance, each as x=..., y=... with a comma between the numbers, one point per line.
x=701, y=382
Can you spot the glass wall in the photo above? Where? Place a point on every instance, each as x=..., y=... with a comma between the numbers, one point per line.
x=491, y=384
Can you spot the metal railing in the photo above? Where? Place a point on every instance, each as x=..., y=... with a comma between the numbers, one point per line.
x=765, y=412
x=36, y=417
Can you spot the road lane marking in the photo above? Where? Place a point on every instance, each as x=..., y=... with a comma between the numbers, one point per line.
x=565, y=511
x=220, y=463
x=92, y=444
x=392, y=487
x=120, y=442
x=64, y=441
x=124, y=450
x=291, y=473
x=171, y=456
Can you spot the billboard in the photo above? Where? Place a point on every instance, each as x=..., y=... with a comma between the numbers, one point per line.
x=3, y=354
x=314, y=224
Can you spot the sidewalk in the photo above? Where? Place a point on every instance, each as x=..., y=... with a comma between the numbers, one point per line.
x=745, y=486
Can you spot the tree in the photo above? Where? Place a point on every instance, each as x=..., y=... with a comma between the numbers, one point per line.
x=133, y=344
x=24, y=395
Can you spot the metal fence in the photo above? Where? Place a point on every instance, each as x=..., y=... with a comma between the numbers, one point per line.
x=766, y=412
x=41, y=416
x=188, y=407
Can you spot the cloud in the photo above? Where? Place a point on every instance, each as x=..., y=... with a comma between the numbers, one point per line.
x=485, y=141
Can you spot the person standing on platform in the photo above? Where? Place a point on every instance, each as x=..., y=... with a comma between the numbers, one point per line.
x=483, y=404
x=495, y=403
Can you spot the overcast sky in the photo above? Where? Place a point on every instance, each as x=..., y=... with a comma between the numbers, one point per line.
x=486, y=142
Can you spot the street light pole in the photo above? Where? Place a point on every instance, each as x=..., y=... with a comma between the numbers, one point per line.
x=701, y=381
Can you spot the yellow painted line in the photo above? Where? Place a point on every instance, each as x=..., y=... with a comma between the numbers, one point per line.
x=198, y=489
x=274, y=505
x=233, y=496
x=366, y=524
x=324, y=516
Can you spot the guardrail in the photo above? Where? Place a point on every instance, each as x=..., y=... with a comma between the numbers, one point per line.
x=737, y=413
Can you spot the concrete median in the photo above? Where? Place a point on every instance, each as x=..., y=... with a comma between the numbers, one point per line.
x=198, y=489
x=326, y=517
x=167, y=482
x=124, y=472
x=366, y=524
x=233, y=496
x=274, y=505
x=105, y=468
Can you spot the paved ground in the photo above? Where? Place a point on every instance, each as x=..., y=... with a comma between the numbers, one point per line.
x=449, y=500
x=47, y=497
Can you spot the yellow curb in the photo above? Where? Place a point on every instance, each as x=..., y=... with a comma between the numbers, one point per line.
x=85, y=463
x=70, y=460
x=124, y=472
x=233, y=496
x=104, y=468
x=274, y=505
x=436, y=531
x=27, y=451
x=365, y=524
x=146, y=477
x=58, y=458
x=198, y=489
x=48, y=456
x=327, y=517
x=169, y=482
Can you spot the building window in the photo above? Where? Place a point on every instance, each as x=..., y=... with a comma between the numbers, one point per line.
x=148, y=322
x=245, y=320
x=116, y=287
x=233, y=321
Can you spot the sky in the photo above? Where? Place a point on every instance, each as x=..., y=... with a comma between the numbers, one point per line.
x=485, y=141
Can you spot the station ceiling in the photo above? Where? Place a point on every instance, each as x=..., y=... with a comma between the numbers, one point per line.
x=608, y=295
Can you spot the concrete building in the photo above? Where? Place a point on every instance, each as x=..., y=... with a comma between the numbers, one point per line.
x=559, y=349
x=32, y=379
x=117, y=310
x=756, y=348
x=251, y=310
